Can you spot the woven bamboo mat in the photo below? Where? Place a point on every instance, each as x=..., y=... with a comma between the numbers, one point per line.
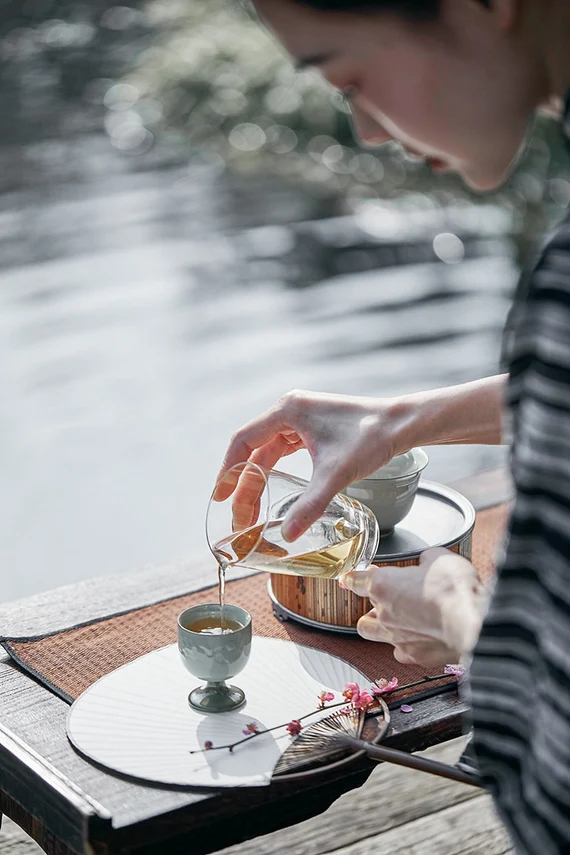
x=69, y=661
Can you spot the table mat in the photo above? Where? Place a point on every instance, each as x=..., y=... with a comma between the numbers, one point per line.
x=69, y=661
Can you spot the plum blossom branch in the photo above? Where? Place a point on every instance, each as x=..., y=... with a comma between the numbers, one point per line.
x=353, y=696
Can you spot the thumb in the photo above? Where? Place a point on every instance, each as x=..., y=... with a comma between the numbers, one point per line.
x=359, y=581
x=405, y=658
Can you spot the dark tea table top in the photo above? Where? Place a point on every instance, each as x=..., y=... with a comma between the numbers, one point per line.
x=69, y=805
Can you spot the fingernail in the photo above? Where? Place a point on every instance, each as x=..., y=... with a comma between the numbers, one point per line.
x=290, y=531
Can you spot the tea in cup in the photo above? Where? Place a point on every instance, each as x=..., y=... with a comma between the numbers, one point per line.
x=215, y=643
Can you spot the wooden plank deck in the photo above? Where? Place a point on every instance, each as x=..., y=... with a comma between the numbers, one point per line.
x=397, y=811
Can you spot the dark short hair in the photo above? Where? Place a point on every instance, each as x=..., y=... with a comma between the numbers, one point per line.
x=419, y=10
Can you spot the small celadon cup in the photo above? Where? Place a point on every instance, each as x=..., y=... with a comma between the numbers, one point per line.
x=390, y=491
x=215, y=658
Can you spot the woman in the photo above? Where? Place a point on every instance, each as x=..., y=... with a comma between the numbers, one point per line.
x=457, y=82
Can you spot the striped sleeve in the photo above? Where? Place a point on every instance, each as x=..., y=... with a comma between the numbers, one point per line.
x=521, y=668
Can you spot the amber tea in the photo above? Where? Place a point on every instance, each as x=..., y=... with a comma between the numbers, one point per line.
x=214, y=625
x=329, y=548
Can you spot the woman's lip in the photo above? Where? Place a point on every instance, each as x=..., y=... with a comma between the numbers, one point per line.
x=435, y=163
x=438, y=165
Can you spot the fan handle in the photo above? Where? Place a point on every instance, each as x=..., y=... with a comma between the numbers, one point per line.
x=411, y=761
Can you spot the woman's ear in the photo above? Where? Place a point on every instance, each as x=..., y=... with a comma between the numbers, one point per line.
x=506, y=12
x=502, y=14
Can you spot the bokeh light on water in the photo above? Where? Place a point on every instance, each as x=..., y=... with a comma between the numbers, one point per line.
x=187, y=232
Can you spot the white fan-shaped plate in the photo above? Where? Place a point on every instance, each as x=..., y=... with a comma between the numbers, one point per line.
x=137, y=720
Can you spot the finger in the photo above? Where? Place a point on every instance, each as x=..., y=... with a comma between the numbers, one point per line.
x=431, y=554
x=447, y=559
x=245, y=515
x=322, y=488
x=243, y=476
x=370, y=627
x=379, y=584
x=252, y=483
x=266, y=457
x=359, y=581
x=404, y=658
x=246, y=501
x=226, y=484
x=251, y=436
x=430, y=655
x=281, y=446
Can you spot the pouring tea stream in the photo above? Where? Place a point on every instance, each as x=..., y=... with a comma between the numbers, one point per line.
x=244, y=528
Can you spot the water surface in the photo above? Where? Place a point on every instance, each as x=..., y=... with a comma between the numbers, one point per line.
x=136, y=333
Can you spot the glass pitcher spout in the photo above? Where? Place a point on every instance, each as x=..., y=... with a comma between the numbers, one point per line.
x=345, y=537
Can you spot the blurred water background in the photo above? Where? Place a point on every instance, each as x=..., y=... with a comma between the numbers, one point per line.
x=188, y=231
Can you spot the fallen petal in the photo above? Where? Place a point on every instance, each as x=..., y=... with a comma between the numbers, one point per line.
x=406, y=708
x=457, y=671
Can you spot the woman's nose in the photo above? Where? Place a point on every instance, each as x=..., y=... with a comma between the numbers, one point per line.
x=367, y=129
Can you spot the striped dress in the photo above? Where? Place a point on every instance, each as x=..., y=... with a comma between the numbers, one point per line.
x=520, y=674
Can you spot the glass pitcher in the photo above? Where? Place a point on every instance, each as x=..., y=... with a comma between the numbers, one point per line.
x=244, y=518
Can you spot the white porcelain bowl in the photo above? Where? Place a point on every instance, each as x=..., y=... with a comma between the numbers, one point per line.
x=390, y=491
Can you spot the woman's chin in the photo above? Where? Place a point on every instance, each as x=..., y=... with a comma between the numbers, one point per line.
x=490, y=176
x=484, y=182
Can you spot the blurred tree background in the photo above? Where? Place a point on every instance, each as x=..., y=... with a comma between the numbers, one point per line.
x=199, y=79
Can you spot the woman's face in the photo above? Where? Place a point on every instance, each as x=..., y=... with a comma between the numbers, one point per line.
x=459, y=91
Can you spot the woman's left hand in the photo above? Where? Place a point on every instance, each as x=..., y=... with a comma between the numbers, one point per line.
x=431, y=613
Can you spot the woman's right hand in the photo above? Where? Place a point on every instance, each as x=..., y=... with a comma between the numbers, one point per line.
x=347, y=437
x=350, y=437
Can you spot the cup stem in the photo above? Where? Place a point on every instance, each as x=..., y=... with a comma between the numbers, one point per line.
x=216, y=697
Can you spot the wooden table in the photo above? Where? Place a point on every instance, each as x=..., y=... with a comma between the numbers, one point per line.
x=70, y=806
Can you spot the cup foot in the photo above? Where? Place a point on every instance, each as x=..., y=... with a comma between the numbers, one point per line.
x=218, y=698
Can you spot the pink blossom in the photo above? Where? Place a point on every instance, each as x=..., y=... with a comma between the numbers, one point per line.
x=324, y=697
x=208, y=745
x=294, y=727
x=250, y=729
x=457, y=671
x=351, y=691
x=359, y=698
x=363, y=700
x=383, y=686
